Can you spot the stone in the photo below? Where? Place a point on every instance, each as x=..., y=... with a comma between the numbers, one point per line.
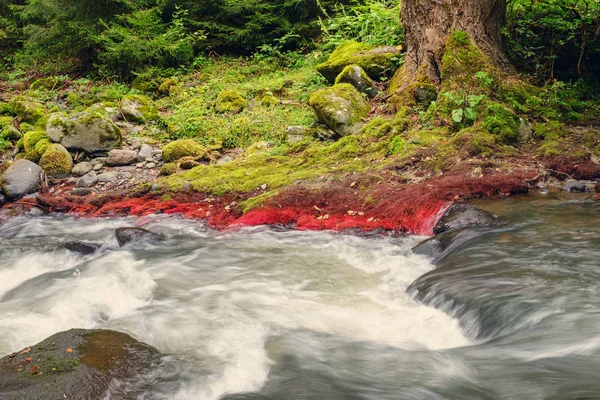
x=129, y=235
x=82, y=168
x=377, y=62
x=88, y=180
x=150, y=165
x=121, y=157
x=525, y=132
x=107, y=177
x=83, y=248
x=22, y=178
x=168, y=169
x=138, y=108
x=445, y=242
x=183, y=148
x=146, y=152
x=56, y=161
x=75, y=364
x=297, y=133
x=97, y=167
x=341, y=107
x=136, y=144
x=357, y=77
x=575, y=187
x=461, y=215
x=93, y=133
x=425, y=94
x=81, y=191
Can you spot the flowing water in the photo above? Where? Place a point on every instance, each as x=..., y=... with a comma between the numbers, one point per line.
x=266, y=314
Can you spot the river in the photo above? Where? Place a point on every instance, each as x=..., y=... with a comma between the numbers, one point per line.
x=285, y=315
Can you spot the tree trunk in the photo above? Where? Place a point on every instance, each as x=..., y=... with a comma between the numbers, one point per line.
x=427, y=24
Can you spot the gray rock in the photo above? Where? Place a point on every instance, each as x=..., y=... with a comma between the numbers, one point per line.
x=575, y=187
x=76, y=364
x=461, y=215
x=83, y=248
x=88, y=180
x=22, y=178
x=146, y=152
x=82, y=168
x=82, y=191
x=525, y=132
x=341, y=107
x=129, y=235
x=136, y=144
x=150, y=165
x=121, y=157
x=93, y=133
x=107, y=176
x=99, y=161
x=97, y=167
x=357, y=77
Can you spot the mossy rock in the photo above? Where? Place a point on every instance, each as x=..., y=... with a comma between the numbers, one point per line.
x=93, y=133
x=105, y=108
x=32, y=155
x=341, y=107
x=42, y=146
x=46, y=83
x=25, y=127
x=20, y=156
x=168, y=169
x=502, y=122
x=56, y=161
x=357, y=77
x=26, y=109
x=138, y=108
x=377, y=62
x=183, y=148
x=476, y=141
x=169, y=87
x=10, y=133
x=146, y=84
x=19, y=145
x=5, y=121
x=76, y=364
x=269, y=100
x=30, y=139
x=229, y=101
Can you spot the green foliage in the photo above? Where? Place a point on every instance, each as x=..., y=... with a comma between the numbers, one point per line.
x=554, y=38
x=377, y=22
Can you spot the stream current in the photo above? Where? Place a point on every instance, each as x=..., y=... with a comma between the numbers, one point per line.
x=283, y=315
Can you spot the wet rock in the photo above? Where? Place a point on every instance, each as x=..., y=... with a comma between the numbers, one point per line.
x=439, y=246
x=575, y=187
x=121, y=157
x=129, y=235
x=82, y=168
x=86, y=131
x=340, y=107
x=107, y=177
x=146, y=152
x=22, y=178
x=460, y=215
x=83, y=248
x=88, y=180
x=75, y=364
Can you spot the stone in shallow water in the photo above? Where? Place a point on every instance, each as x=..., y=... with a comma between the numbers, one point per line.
x=575, y=187
x=460, y=215
x=82, y=247
x=75, y=364
x=129, y=235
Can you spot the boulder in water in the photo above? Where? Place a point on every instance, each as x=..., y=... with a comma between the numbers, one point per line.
x=128, y=235
x=82, y=247
x=440, y=246
x=75, y=364
x=461, y=215
x=23, y=177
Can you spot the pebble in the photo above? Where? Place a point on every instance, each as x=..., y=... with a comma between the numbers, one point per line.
x=107, y=177
x=150, y=165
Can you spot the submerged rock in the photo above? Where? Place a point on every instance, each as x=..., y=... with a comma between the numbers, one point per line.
x=341, y=107
x=461, y=215
x=22, y=178
x=82, y=247
x=575, y=187
x=75, y=364
x=129, y=235
x=439, y=246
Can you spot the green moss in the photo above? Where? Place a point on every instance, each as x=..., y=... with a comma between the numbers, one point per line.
x=26, y=109
x=40, y=124
x=169, y=87
x=20, y=156
x=377, y=62
x=341, y=107
x=138, y=108
x=5, y=121
x=46, y=83
x=183, y=148
x=56, y=161
x=501, y=122
x=269, y=100
x=20, y=144
x=462, y=60
x=397, y=145
x=168, y=169
x=10, y=133
x=551, y=130
x=230, y=101
x=25, y=127
x=476, y=141
x=30, y=139
x=42, y=146
x=357, y=77
x=32, y=155
x=403, y=88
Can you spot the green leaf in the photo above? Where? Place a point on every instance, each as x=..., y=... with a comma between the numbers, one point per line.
x=457, y=115
x=470, y=114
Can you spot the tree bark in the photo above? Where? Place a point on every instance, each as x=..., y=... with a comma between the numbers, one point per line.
x=427, y=24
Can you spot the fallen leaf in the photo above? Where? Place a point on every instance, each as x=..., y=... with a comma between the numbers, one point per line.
x=69, y=350
x=326, y=216
x=351, y=212
x=34, y=370
x=317, y=208
x=360, y=213
x=27, y=350
x=353, y=184
x=370, y=219
x=28, y=359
